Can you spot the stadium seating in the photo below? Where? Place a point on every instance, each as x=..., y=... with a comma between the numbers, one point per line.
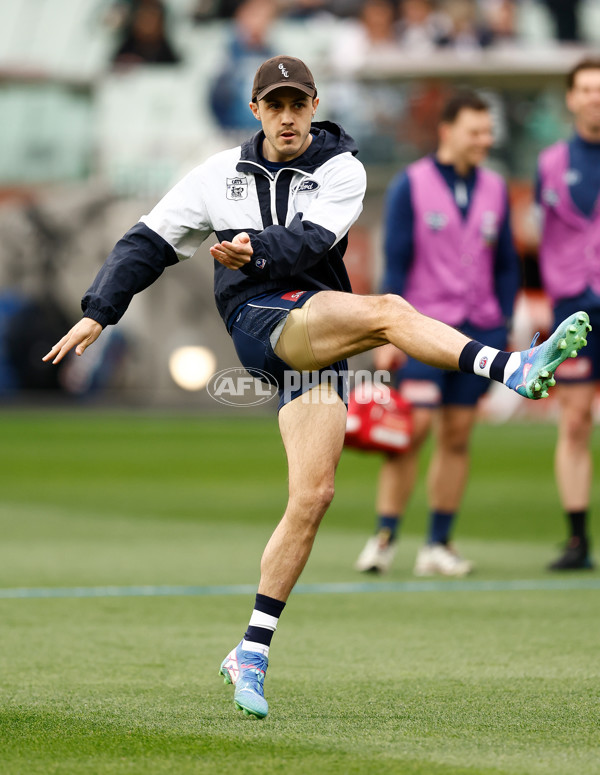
x=70, y=113
x=61, y=38
x=48, y=135
x=150, y=123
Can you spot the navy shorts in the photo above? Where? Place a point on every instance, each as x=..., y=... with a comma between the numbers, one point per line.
x=253, y=323
x=428, y=386
x=586, y=367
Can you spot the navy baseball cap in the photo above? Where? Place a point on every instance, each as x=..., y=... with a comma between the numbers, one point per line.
x=282, y=71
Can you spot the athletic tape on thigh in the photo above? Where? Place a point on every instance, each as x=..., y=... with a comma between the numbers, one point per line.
x=293, y=345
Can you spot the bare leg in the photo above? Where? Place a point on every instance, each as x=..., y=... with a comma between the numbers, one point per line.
x=399, y=472
x=449, y=467
x=313, y=436
x=343, y=324
x=573, y=460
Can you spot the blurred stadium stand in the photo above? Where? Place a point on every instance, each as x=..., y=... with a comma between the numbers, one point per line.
x=88, y=148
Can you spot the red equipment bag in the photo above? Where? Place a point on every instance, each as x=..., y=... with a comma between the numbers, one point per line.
x=379, y=419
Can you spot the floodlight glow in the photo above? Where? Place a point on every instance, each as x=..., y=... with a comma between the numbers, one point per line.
x=192, y=367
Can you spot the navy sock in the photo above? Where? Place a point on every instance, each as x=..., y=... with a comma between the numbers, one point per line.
x=263, y=624
x=388, y=524
x=477, y=358
x=577, y=521
x=440, y=525
x=466, y=360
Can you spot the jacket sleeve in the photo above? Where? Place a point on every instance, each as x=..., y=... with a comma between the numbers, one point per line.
x=281, y=251
x=136, y=261
x=398, y=235
x=172, y=231
x=538, y=212
x=507, y=269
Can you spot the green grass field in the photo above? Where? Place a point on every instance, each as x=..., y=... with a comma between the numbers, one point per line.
x=481, y=677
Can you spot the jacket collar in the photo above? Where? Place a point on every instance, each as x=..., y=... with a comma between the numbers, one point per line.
x=329, y=140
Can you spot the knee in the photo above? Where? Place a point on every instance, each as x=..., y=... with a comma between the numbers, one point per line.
x=576, y=426
x=388, y=310
x=311, y=503
x=394, y=305
x=320, y=497
x=454, y=443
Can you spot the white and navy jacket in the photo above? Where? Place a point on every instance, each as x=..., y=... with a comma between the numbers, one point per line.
x=298, y=221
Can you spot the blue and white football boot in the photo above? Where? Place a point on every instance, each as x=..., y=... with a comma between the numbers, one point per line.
x=246, y=671
x=535, y=374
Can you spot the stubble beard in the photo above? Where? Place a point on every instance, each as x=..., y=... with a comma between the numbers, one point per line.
x=290, y=152
x=590, y=129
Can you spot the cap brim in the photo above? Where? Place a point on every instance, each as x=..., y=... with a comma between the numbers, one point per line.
x=287, y=85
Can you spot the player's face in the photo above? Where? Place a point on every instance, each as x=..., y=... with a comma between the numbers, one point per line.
x=469, y=138
x=285, y=115
x=583, y=100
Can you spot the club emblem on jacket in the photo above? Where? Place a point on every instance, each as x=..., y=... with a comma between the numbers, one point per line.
x=489, y=227
x=550, y=197
x=436, y=221
x=237, y=188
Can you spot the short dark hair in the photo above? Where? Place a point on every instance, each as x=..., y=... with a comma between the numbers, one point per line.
x=589, y=63
x=462, y=100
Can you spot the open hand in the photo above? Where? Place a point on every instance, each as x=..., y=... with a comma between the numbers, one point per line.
x=79, y=337
x=233, y=254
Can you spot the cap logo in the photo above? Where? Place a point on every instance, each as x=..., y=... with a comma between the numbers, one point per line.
x=284, y=72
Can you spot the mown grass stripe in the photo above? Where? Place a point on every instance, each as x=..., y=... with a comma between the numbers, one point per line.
x=523, y=585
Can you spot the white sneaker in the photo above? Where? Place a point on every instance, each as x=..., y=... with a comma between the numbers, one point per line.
x=377, y=556
x=438, y=559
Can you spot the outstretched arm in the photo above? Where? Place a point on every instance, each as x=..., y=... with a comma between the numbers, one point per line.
x=171, y=232
x=80, y=337
x=136, y=261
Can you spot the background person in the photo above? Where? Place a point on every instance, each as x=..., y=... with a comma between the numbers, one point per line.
x=145, y=38
x=568, y=184
x=449, y=252
x=247, y=48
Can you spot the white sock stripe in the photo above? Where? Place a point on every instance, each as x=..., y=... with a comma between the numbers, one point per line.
x=512, y=364
x=260, y=648
x=483, y=361
x=260, y=619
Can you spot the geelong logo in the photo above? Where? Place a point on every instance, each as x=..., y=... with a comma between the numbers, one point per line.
x=284, y=72
x=236, y=387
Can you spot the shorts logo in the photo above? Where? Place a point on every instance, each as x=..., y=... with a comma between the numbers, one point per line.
x=307, y=185
x=483, y=362
x=293, y=295
x=237, y=188
x=577, y=369
x=284, y=72
x=260, y=263
x=421, y=392
x=436, y=221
